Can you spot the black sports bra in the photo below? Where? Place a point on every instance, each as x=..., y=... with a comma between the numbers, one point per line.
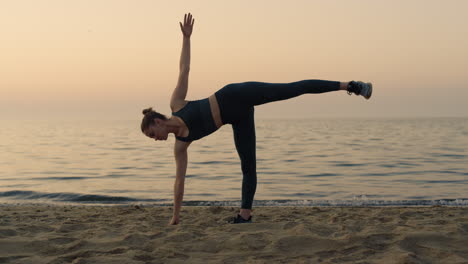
x=197, y=116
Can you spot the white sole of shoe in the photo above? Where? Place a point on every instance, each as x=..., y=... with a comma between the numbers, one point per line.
x=370, y=91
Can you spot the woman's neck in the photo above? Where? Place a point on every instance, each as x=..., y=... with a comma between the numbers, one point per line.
x=175, y=126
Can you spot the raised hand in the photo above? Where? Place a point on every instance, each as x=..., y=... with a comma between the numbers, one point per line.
x=188, y=25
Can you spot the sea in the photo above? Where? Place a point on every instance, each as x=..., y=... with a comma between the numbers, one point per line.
x=300, y=162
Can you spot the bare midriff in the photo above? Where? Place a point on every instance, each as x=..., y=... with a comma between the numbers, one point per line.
x=215, y=111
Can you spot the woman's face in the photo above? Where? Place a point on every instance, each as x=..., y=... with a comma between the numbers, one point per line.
x=157, y=131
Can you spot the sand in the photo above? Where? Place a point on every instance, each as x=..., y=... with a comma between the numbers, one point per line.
x=140, y=234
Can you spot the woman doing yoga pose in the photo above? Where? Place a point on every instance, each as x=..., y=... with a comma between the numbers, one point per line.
x=233, y=104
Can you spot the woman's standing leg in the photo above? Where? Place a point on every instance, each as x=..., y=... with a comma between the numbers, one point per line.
x=245, y=141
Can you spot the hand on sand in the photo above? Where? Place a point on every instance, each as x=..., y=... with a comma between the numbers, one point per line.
x=175, y=220
x=188, y=25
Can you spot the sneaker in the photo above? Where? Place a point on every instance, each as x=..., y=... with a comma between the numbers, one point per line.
x=239, y=220
x=360, y=88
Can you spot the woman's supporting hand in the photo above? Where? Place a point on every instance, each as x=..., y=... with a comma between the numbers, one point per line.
x=175, y=220
x=188, y=25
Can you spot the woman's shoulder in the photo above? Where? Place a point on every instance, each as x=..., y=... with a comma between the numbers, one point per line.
x=181, y=145
x=178, y=105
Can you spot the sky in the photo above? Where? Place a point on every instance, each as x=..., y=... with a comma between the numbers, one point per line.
x=110, y=59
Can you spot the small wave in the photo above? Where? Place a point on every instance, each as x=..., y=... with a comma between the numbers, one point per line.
x=429, y=181
x=125, y=168
x=447, y=181
x=349, y=164
x=62, y=178
x=219, y=177
x=25, y=197
x=69, y=197
x=52, y=172
x=402, y=163
x=421, y=172
x=342, y=203
x=209, y=162
x=117, y=175
x=319, y=175
x=124, y=148
x=455, y=156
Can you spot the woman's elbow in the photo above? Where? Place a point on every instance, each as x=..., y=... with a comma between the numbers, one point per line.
x=184, y=68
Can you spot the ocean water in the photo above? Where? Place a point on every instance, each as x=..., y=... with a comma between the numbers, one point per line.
x=300, y=162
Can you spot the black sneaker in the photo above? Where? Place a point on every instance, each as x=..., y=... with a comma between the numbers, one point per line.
x=360, y=88
x=240, y=220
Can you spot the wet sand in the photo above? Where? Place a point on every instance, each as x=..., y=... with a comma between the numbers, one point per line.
x=140, y=234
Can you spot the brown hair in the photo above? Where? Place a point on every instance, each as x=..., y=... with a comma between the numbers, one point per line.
x=149, y=117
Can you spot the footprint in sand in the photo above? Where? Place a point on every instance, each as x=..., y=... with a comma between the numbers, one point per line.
x=434, y=245
x=179, y=237
x=300, y=244
x=7, y=233
x=66, y=228
x=62, y=240
x=245, y=241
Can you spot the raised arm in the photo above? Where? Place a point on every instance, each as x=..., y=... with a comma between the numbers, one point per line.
x=187, y=33
x=180, y=92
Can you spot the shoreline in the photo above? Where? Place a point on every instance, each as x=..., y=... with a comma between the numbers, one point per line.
x=292, y=203
x=296, y=234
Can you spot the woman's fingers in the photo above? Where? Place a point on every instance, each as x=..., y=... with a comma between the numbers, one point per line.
x=188, y=19
x=188, y=25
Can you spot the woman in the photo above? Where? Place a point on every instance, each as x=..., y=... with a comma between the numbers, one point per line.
x=233, y=104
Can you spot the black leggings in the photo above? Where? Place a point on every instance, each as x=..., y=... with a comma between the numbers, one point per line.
x=236, y=102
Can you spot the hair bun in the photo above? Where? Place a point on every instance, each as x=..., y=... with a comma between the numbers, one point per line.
x=147, y=110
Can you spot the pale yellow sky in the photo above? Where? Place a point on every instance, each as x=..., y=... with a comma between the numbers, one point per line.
x=112, y=58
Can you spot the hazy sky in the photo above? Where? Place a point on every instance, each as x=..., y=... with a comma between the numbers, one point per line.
x=112, y=58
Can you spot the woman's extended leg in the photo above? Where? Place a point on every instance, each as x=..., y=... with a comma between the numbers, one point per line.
x=257, y=93
x=244, y=139
x=234, y=96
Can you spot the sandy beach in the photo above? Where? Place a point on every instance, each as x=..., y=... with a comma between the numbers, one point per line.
x=140, y=234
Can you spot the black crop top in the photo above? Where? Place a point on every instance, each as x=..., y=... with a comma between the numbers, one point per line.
x=197, y=116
